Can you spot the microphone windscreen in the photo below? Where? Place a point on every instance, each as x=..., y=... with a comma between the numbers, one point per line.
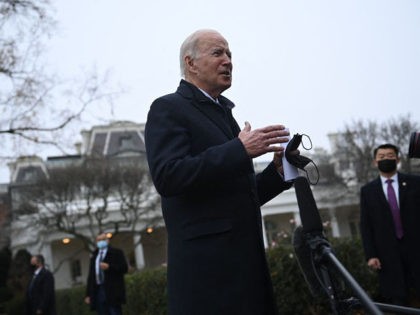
x=309, y=215
x=304, y=257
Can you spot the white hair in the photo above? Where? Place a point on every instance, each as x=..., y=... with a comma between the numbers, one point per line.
x=190, y=47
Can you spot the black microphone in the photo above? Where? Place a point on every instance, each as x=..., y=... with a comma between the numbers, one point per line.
x=309, y=238
x=314, y=253
x=309, y=215
x=305, y=261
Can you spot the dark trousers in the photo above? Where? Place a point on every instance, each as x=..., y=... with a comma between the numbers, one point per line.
x=102, y=307
x=404, y=252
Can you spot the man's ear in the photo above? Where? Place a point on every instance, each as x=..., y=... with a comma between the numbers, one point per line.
x=189, y=62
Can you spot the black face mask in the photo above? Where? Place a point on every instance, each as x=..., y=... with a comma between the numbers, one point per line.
x=387, y=166
x=298, y=160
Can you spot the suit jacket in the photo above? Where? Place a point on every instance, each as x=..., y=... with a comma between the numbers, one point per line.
x=211, y=202
x=113, y=277
x=378, y=231
x=40, y=294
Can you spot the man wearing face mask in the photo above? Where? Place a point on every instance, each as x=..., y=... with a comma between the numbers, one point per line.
x=40, y=295
x=390, y=227
x=105, y=290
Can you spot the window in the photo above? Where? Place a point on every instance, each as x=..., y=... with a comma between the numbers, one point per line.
x=76, y=270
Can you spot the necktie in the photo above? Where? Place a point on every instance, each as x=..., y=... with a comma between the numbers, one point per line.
x=395, y=210
x=101, y=272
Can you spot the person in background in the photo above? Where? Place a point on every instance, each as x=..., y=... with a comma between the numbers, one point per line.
x=390, y=221
x=201, y=164
x=105, y=291
x=40, y=295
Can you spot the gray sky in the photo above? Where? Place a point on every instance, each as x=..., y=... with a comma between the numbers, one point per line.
x=312, y=65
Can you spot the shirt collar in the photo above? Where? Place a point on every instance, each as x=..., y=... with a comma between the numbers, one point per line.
x=394, y=177
x=36, y=272
x=216, y=100
x=229, y=105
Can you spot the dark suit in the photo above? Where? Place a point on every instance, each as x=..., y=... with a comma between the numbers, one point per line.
x=378, y=233
x=40, y=294
x=114, y=284
x=211, y=202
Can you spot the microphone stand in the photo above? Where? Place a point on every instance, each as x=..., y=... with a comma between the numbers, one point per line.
x=322, y=255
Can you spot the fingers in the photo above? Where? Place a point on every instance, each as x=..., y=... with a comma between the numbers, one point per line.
x=247, y=127
x=104, y=266
x=277, y=159
x=374, y=263
x=274, y=128
x=263, y=140
x=273, y=132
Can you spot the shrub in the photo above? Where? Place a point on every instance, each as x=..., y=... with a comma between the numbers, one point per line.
x=146, y=290
x=71, y=301
x=291, y=290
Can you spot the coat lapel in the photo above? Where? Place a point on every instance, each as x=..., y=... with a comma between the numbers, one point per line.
x=402, y=189
x=207, y=107
x=380, y=192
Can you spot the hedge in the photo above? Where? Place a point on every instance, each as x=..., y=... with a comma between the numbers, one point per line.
x=146, y=290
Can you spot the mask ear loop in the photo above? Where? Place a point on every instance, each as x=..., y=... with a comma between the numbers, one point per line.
x=310, y=142
x=316, y=167
x=307, y=175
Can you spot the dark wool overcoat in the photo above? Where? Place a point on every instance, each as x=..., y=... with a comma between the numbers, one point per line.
x=378, y=232
x=211, y=202
x=114, y=277
x=40, y=294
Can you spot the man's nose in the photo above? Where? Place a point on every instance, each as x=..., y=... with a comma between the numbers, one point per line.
x=227, y=59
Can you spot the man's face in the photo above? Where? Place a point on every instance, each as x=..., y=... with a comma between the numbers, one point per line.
x=34, y=262
x=211, y=70
x=102, y=237
x=386, y=154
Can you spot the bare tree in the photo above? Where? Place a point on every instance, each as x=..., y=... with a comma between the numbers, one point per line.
x=354, y=147
x=91, y=195
x=30, y=111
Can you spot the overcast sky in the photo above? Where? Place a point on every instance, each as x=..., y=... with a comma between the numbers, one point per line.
x=313, y=65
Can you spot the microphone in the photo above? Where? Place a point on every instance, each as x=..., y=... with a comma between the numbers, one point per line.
x=315, y=256
x=307, y=237
x=305, y=261
x=309, y=215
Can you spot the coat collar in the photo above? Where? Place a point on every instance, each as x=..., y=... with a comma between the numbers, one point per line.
x=190, y=91
x=209, y=108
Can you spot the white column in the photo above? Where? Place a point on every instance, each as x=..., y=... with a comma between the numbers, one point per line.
x=335, y=230
x=46, y=251
x=264, y=233
x=138, y=251
x=296, y=217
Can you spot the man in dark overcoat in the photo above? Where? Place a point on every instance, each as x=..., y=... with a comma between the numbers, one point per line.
x=391, y=236
x=105, y=290
x=201, y=165
x=40, y=295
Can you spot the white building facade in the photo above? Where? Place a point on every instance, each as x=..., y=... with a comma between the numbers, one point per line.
x=143, y=243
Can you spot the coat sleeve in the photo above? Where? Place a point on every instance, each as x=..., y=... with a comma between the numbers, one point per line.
x=366, y=226
x=270, y=183
x=47, y=288
x=118, y=264
x=90, y=281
